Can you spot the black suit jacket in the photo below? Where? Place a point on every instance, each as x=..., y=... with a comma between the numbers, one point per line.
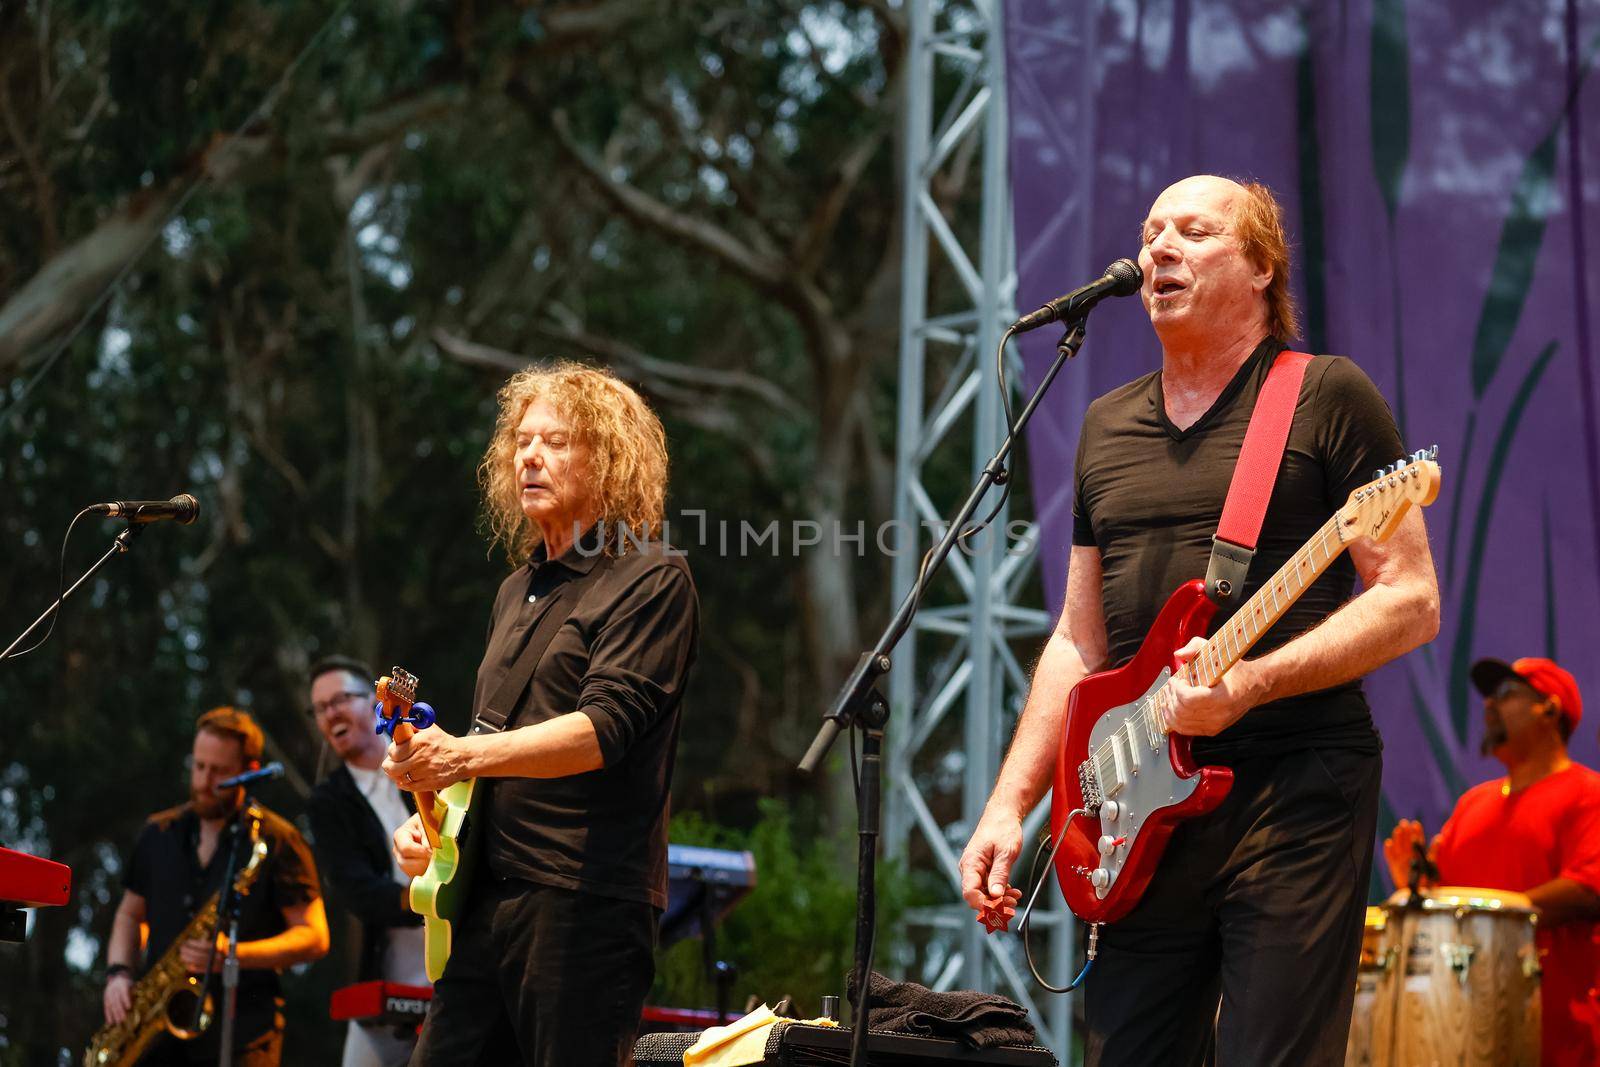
x=352, y=849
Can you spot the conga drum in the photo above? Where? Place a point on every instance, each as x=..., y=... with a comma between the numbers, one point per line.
x=1375, y=957
x=1460, y=982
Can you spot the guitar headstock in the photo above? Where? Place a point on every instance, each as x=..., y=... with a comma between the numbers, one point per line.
x=397, y=693
x=1375, y=509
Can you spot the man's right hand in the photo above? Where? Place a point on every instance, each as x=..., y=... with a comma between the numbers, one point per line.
x=989, y=857
x=118, y=998
x=411, y=847
x=1400, y=850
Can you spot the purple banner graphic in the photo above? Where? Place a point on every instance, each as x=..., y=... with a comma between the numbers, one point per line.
x=1441, y=189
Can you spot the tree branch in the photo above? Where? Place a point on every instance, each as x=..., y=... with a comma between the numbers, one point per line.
x=43, y=187
x=395, y=118
x=813, y=243
x=765, y=270
x=681, y=388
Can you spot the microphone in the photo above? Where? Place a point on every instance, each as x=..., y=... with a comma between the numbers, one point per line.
x=1122, y=278
x=271, y=770
x=182, y=509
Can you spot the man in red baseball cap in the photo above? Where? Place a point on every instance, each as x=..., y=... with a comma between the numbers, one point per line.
x=1535, y=831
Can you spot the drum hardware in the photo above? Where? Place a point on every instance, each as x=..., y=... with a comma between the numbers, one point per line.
x=1459, y=958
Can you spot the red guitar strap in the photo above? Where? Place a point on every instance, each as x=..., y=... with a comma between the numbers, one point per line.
x=1234, y=545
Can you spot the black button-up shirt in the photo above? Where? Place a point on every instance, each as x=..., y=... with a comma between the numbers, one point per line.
x=165, y=870
x=622, y=658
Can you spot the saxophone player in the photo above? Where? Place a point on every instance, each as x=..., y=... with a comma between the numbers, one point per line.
x=177, y=866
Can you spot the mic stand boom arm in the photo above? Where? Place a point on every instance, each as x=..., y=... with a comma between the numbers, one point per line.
x=120, y=545
x=860, y=702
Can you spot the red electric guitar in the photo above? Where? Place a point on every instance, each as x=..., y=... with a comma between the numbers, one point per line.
x=1118, y=766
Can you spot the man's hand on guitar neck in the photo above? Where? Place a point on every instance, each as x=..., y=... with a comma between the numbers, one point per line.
x=428, y=761
x=411, y=849
x=1201, y=711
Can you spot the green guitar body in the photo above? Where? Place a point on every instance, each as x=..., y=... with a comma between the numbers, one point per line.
x=440, y=893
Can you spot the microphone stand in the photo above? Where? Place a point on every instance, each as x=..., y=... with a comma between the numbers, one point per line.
x=230, y=983
x=119, y=545
x=227, y=906
x=860, y=703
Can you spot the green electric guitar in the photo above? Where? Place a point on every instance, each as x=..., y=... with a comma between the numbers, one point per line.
x=440, y=892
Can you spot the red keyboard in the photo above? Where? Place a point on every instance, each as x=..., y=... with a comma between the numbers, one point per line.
x=388, y=1003
x=30, y=882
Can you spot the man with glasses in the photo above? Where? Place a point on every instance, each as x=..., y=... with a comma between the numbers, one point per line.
x=353, y=813
x=1537, y=832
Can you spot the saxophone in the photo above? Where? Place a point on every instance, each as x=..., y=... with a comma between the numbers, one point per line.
x=168, y=985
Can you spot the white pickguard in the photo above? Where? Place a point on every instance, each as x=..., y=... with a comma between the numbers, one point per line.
x=1139, y=781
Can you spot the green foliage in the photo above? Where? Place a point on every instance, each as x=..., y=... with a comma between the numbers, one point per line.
x=277, y=351
x=795, y=933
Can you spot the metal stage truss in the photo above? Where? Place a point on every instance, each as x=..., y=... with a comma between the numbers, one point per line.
x=959, y=676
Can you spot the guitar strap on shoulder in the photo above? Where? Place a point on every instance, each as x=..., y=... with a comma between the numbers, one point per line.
x=1254, y=475
x=503, y=702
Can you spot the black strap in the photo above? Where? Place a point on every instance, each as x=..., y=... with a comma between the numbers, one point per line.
x=559, y=604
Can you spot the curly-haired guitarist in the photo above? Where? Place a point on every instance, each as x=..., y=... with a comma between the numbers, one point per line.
x=551, y=959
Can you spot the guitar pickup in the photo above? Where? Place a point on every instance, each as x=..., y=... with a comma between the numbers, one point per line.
x=1124, y=738
x=1119, y=768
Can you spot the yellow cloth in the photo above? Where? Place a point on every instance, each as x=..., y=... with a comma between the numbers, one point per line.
x=741, y=1041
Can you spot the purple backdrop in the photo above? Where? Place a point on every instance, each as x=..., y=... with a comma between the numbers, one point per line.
x=1429, y=157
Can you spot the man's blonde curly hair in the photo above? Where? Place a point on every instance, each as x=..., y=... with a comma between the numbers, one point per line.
x=626, y=446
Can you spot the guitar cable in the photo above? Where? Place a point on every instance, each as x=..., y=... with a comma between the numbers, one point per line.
x=1046, y=847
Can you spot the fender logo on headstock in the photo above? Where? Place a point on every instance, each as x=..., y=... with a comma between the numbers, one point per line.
x=1378, y=521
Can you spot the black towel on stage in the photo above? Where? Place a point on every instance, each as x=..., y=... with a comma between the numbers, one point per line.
x=982, y=1020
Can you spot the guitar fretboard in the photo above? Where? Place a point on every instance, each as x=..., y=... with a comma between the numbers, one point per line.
x=1225, y=648
x=1263, y=610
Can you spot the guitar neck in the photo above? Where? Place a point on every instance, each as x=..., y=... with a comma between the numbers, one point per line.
x=425, y=800
x=1269, y=604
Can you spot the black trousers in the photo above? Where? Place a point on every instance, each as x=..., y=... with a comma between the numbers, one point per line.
x=541, y=976
x=1259, y=904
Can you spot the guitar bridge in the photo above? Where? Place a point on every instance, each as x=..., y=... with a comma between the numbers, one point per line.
x=1089, y=786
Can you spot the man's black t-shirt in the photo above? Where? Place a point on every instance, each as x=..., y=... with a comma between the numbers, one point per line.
x=622, y=658
x=165, y=870
x=1149, y=496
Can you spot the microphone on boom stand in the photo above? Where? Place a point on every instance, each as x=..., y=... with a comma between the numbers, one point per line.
x=1121, y=278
